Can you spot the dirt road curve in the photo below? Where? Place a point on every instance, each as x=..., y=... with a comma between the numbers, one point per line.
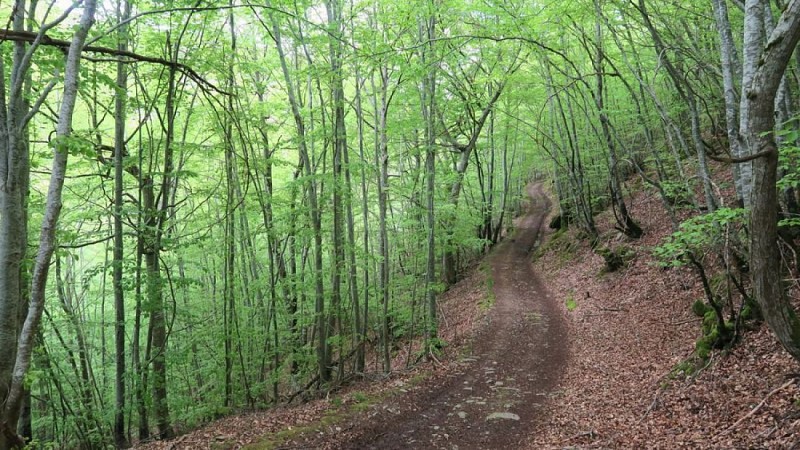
x=515, y=364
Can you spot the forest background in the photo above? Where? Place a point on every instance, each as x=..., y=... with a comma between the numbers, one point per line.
x=207, y=207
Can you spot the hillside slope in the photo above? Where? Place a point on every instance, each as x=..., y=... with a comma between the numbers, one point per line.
x=628, y=331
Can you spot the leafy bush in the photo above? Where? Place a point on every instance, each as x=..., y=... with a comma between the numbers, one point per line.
x=698, y=235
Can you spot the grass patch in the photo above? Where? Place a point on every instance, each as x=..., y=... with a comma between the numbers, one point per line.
x=533, y=317
x=278, y=439
x=340, y=410
x=570, y=303
x=489, y=298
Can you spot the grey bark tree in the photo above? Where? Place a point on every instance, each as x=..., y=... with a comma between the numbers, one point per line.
x=624, y=220
x=120, y=439
x=464, y=152
x=323, y=353
x=339, y=142
x=381, y=106
x=428, y=97
x=15, y=113
x=731, y=73
x=687, y=93
x=766, y=67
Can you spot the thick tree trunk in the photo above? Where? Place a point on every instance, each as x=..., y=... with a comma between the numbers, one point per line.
x=14, y=169
x=751, y=51
x=758, y=138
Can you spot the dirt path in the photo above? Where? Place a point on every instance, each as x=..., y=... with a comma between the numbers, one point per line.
x=516, y=361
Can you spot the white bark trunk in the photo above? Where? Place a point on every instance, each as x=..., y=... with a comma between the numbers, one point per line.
x=758, y=124
x=52, y=211
x=751, y=51
x=731, y=72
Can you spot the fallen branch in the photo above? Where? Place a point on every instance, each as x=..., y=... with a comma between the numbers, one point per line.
x=590, y=434
x=304, y=389
x=314, y=380
x=174, y=444
x=434, y=358
x=602, y=308
x=757, y=408
x=652, y=406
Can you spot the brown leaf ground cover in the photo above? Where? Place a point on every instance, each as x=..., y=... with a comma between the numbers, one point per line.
x=628, y=332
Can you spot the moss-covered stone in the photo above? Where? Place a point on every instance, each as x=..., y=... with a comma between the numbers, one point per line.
x=612, y=258
x=699, y=308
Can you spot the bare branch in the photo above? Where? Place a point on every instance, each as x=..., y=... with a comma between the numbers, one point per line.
x=25, y=36
x=742, y=159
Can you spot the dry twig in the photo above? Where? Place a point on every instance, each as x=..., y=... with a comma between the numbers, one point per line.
x=758, y=407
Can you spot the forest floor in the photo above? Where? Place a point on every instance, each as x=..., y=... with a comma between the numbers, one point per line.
x=568, y=356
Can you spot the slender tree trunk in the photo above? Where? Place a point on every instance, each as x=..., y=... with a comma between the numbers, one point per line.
x=334, y=11
x=686, y=93
x=120, y=438
x=624, y=220
x=428, y=31
x=323, y=353
x=364, y=317
x=464, y=151
x=229, y=300
x=382, y=163
x=731, y=72
x=138, y=368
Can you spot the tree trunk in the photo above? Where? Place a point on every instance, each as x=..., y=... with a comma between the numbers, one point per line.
x=120, y=438
x=731, y=72
x=428, y=31
x=758, y=96
x=323, y=353
x=364, y=317
x=15, y=165
x=382, y=163
x=334, y=12
x=625, y=222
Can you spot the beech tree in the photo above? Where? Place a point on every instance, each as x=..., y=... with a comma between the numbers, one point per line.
x=20, y=317
x=765, y=61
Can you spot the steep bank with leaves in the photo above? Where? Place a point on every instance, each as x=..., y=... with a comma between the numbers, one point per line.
x=639, y=376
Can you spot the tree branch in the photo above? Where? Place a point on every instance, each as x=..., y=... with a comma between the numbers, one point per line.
x=26, y=36
x=742, y=159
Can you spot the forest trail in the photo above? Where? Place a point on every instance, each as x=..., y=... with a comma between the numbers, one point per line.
x=517, y=357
